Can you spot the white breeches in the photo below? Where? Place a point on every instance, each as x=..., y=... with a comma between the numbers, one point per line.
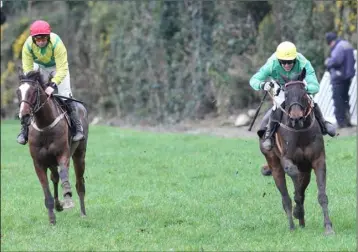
x=64, y=88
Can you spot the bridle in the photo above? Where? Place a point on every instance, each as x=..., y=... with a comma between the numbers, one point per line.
x=307, y=113
x=308, y=110
x=38, y=105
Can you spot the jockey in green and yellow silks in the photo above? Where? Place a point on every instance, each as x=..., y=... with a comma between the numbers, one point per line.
x=44, y=50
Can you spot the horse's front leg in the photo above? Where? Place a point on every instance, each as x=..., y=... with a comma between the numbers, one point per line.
x=49, y=201
x=55, y=177
x=300, y=183
x=319, y=166
x=63, y=167
x=280, y=180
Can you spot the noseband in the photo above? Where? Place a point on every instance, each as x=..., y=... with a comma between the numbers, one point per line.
x=308, y=110
x=34, y=108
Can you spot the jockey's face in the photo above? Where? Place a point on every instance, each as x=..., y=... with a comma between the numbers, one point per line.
x=287, y=64
x=41, y=40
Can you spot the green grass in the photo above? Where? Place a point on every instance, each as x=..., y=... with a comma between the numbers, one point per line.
x=173, y=192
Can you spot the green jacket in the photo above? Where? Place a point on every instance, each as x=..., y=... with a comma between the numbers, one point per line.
x=273, y=68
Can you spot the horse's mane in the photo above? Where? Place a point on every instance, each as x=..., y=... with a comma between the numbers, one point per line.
x=33, y=75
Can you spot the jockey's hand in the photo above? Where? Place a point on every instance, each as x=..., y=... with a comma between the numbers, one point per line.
x=49, y=90
x=276, y=89
x=267, y=86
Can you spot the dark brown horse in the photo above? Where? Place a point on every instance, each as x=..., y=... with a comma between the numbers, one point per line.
x=50, y=142
x=298, y=148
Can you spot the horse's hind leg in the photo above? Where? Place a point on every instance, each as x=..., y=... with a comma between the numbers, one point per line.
x=280, y=180
x=79, y=166
x=49, y=201
x=55, y=177
x=300, y=182
x=319, y=166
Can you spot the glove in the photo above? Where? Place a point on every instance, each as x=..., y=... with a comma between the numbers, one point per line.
x=51, y=88
x=276, y=89
x=266, y=86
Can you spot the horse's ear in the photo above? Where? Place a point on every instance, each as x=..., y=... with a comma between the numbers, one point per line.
x=285, y=78
x=302, y=75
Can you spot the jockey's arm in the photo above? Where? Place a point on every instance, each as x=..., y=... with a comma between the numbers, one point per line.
x=311, y=80
x=261, y=76
x=27, y=59
x=60, y=55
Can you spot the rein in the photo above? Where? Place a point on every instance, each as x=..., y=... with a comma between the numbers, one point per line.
x=38, y=105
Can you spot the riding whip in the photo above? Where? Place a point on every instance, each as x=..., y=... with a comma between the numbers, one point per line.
x=273, y=82
x=257, y=111
x=68, y=98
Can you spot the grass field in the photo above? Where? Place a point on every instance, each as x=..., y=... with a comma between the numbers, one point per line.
x=173, y=192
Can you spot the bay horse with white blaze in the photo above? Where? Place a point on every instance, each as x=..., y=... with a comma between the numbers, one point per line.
x=50, y=141
x=298, y=148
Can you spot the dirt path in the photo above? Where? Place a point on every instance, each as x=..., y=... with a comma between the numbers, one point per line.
x=214, y=127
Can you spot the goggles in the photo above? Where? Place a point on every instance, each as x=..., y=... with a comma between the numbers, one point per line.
x=41, y=38
x=287, y=62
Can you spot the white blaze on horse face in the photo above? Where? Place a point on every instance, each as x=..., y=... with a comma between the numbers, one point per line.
x=23, y=89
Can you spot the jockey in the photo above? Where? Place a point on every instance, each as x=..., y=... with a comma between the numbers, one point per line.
x=287, y=62
x=45, y=51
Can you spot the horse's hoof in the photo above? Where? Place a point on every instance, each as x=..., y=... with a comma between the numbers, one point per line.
x=68, y=204
x=52, y=222
x=291, y=171
x=329, y=231
x=298, y=212
x=59, y=206
x=266, y=171
x=83, y=215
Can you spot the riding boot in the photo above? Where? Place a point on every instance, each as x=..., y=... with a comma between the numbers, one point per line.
x=78, y=125
x=24, y=132
x=326, y=127
x=267, y=143
x=275, y=117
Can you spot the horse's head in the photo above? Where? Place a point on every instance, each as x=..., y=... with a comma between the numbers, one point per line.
x=29, y=92
x=297, y=101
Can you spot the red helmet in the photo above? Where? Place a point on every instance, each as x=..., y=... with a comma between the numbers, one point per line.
x=40, y=27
